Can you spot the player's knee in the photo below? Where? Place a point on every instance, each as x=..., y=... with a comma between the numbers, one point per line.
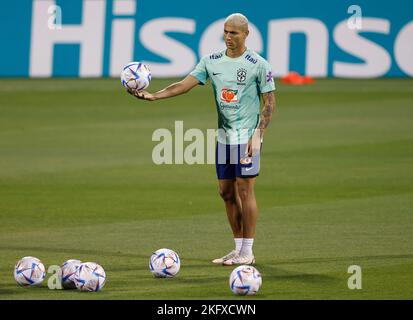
x=227, y=195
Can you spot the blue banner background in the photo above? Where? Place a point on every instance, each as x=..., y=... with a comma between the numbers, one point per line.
x=16, y=16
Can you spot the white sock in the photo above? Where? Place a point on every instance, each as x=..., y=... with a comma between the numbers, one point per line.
x=247, y=247
x=238, y=244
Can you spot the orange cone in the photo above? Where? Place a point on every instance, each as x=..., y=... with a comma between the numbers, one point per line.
x=294, y=78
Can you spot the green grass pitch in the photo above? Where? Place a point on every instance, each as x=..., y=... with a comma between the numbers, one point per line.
x=77, y=181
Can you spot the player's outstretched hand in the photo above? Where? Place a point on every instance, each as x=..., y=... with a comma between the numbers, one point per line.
x=144, y=95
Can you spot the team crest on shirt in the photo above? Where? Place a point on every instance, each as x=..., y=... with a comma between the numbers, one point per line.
x=241, y=76
x=229, y=95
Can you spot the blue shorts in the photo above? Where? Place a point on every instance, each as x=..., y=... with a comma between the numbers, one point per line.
x=231, y=162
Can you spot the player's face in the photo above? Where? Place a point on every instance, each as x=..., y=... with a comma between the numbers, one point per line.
x=234, y=36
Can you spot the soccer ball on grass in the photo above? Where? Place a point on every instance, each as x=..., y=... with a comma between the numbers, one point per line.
x=29, y=271
x=245, y=280
x=67, y=273
x=164, y=263
x=90, y=276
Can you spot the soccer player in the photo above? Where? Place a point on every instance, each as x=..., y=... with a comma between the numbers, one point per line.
x=240, y=77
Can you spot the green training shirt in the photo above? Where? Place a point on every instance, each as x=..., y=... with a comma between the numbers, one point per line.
x=237, y=83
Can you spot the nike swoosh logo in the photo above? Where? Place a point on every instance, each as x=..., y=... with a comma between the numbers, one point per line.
x=248, y=169
x=216, y=73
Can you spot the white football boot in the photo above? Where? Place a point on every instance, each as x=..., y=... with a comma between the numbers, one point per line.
x=240, y=260
x=229, y=256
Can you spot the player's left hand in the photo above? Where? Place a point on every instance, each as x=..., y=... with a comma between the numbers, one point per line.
x=254, y=144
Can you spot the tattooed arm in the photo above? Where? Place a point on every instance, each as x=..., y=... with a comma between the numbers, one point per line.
x=254, y=145
x=269, y=108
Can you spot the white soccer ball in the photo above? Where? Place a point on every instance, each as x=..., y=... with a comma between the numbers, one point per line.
x=67, y=273
x=245, y=280
x=164, y=263
x=29, y=271
x=90, y=276
x=136, y=76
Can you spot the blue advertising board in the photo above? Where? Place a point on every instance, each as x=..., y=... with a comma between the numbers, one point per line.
x=95, y=38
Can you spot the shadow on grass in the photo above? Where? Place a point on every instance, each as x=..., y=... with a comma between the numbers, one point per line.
x=73, y=251
x=271, y=273
x=341, y=259
x=202, y=261
x=15, y=289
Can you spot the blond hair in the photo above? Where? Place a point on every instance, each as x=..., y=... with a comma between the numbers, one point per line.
x=237, y=19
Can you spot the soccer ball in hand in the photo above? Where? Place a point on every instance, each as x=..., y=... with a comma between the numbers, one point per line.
x=67, y=273
x=245, y=280
x=164, y=263
x=89, y=277
x=136, y=76
x=29, y=271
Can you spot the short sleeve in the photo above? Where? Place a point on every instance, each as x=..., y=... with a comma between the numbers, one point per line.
x=265, y=78
x=200, y=72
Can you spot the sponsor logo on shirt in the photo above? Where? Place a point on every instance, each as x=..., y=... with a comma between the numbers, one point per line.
x=229, y=107
x=215, y=56
x=251, y=59
x=229, y=95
